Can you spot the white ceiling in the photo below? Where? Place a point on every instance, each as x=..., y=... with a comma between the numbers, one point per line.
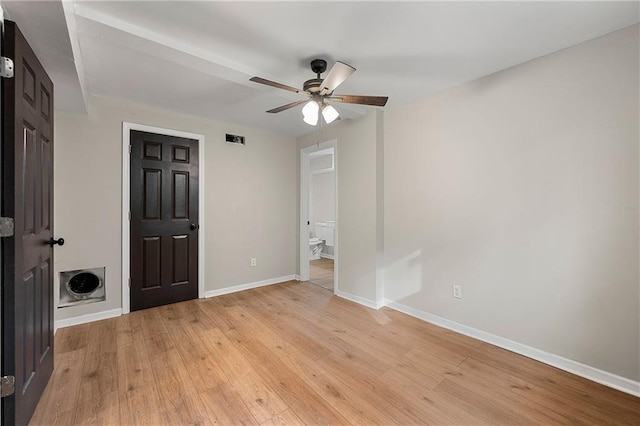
x=197, y=57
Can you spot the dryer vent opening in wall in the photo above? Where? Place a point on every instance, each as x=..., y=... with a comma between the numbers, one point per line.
x=235, y=139
x=81, y=286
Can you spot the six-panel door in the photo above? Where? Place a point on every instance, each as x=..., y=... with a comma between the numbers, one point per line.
x=164, y=219
x=27, y=196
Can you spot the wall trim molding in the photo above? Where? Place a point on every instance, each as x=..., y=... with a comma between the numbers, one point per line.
x=297, y=277
x=358, y=299
x=579, y=369
x=326, y=256
x=83, y=319
x=248, y=286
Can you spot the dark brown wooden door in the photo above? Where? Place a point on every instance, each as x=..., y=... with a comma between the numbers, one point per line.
x=27, y=273
x=164, y=219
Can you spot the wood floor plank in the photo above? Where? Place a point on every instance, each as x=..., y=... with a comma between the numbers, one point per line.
x=430, y=406
x=191, y=312
x=286, y=418
x=423, y=359
x=293, y=353
x=406, y=339
x=140, y=406
x=416, y=327
x=411, y=371
x=151, y=322
x=181, y=404
x=246, y=322
x=565, y=403
x=262, y=310
x=485, y=406
x=330, y=339
x=101, y=409
x=231, y=362
x=63, y=418
x=345, y=400
x=134, y=367
x=159, y=345
x=502, y=387
x=379, y=395
x=224, y=406
x=125, y=330
x=261, y=400
x=203, y=369
x=139, y=399
x=608, y=402
x=99, y=370
x=298, y=318
x=71, y=339
x=304, y=402
x=214, y=310
x=58, y=407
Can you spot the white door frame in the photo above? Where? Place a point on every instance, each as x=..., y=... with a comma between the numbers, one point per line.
x=126, y=187
x=304, y=209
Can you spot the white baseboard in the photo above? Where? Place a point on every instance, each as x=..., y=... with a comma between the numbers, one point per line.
x=359, y=300
x=326, y=256
x=248, y=286
x=297, y=277
x=82, y=319
x=605, y=378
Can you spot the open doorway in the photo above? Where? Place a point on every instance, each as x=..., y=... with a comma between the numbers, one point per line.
x=318, y=239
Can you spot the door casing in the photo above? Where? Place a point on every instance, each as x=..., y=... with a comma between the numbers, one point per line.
x=304, y=210
x=127, y=127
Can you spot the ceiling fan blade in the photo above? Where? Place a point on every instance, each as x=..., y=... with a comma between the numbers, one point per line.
x=337, y=75
x=274, y=84
x=362, y=100
x=287, y=106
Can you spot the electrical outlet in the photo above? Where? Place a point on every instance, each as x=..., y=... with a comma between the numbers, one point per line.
x=457, y=291
x=253, y=261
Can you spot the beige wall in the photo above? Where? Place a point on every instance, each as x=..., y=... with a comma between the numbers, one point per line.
x=522, y=187
x=357, y=197
x=250, y=199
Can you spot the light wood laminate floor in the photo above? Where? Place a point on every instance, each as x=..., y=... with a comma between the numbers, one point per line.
x=321, y=273
x=293, y=353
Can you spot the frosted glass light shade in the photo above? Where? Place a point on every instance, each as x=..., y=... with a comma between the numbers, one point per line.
x=329, y=113
x=310, y=113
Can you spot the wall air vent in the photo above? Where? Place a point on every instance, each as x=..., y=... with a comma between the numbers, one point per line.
x=81, y=286
x=235, y=139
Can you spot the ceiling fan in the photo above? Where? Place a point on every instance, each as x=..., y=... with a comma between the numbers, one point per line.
x=318, y=91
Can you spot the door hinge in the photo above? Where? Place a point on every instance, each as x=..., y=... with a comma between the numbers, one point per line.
x=7, y=386
x=129, y=282
x=129, y=215
x=6, y=227
x=129, y=149
x=6, y=67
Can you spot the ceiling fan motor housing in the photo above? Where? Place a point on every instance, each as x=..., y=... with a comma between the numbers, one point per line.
x=312, y=86
x=318, y=66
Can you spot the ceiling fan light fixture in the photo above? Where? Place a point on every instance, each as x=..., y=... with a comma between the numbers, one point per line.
x=329, y=113
x=318, y=89
x=310, y=113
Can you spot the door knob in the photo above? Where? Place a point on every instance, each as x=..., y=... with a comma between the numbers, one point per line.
x=193, y=227
x=59, y=241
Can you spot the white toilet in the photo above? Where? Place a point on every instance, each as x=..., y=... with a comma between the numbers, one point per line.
x=315, y=247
